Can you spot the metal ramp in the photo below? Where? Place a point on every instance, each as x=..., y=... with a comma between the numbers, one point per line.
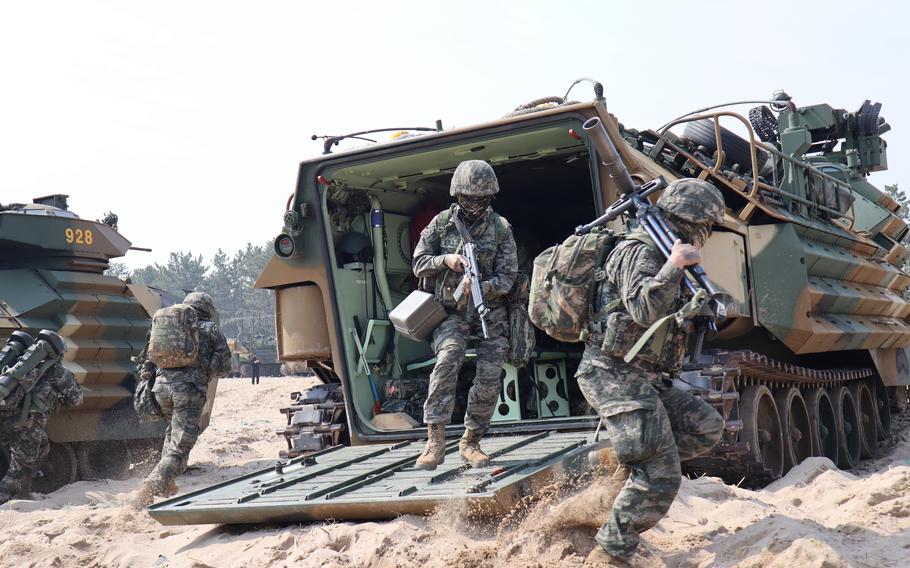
x=380, y=482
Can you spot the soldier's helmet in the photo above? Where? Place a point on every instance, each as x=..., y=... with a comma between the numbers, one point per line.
x=694, y=201
x=202, y=303
x=475, y=178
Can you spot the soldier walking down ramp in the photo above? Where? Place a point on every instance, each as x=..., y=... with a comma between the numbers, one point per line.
x=189, y=351
x=651, y=425
x=438, y=258
x=29, y=397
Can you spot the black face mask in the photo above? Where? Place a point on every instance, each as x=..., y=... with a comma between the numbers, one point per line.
x=473, y=207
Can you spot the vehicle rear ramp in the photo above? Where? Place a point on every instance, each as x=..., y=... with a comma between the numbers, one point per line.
x=380, y=482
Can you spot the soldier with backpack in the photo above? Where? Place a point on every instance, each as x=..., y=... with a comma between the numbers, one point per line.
x=651, y=425
x=438, y=258
x=187, y=350
x=33, y=385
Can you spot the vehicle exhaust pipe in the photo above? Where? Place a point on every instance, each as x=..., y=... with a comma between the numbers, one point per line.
x=609, y=156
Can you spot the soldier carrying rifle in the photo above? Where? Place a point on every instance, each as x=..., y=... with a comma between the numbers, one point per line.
x=438, y=257
x=651, y=425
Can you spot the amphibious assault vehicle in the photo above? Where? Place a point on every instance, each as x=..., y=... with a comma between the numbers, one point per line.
x=810, y=253
x=52, y=266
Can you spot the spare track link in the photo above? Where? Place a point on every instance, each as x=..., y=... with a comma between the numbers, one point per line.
x=727, y=374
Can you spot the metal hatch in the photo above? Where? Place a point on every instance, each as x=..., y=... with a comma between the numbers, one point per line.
x=380, y=482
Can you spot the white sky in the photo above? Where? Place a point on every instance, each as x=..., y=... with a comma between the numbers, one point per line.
x=188, y=119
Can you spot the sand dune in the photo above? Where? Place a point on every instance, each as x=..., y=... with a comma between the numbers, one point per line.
x=815, y=516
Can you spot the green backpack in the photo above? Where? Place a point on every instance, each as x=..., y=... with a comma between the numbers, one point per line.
x=564, y=281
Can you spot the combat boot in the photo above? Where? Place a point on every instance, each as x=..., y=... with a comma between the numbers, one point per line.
x=469, y=448
x=600, y=557
x=25, y=486
x=145, y=496
x=435, y=452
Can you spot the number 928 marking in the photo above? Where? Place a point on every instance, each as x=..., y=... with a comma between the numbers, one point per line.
x=79, y=236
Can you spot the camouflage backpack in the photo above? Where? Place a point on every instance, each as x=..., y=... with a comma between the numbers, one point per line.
x=563, y=284
x=174, y=338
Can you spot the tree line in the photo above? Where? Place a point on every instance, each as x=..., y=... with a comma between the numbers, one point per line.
x=244, y=312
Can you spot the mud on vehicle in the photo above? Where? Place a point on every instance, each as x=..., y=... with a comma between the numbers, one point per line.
x=809, y=251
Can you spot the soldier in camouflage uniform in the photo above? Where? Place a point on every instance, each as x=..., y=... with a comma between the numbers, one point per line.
x=437, y=257
x=181, y=395
x=651, y=425
x=27, y=438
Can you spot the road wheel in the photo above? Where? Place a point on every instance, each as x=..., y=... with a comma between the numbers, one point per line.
x=848, y=427
x=762, y=428
x=825, y=441
x=795, y=425
x=868, y=421
x=58, y=470
x=104, y=459
x=883, y=408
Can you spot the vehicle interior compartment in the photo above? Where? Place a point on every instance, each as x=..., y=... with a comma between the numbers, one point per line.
x=377, y=210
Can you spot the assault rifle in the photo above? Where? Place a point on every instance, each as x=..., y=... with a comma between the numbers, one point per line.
x=472, y=271
x=711, y=302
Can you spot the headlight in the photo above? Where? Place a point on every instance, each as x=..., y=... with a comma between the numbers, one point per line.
x=291, y=220
x=284, y=246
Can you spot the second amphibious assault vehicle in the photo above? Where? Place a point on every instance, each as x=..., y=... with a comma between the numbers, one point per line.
x=812, y=352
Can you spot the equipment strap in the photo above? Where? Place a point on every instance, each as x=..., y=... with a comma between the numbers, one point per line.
x=691, y=308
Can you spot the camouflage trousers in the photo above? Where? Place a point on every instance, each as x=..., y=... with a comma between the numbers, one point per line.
x=450, y=342
x=652, y=427
x=181, y=402
x=28, y=448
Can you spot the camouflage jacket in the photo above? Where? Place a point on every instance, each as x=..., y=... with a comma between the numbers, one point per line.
x=647, y=288
x=214, y=360
x=496, y=254
x=56, y=387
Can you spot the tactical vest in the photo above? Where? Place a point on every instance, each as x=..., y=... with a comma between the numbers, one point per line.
x=664, y=349
x=450, y=243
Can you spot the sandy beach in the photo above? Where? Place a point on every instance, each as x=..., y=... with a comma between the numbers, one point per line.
x=815, y=516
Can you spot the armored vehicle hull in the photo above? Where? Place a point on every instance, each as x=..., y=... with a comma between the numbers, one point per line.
x=52, y=267
x=807, y=361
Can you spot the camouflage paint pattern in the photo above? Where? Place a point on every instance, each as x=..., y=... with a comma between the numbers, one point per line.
x=834, y=298
x=564, y=279
x=449, y=343
x=496, y=254
x=181, y=395
x=651, y=426
x=693, y=200
x=53, y=279
x=174, y=337
x=27, y=440
x=475, y=178
x=181, y=402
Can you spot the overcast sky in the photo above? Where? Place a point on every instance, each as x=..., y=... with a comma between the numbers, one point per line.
x=188, y=119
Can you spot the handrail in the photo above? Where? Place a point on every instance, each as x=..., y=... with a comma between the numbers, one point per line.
x=753, y=144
